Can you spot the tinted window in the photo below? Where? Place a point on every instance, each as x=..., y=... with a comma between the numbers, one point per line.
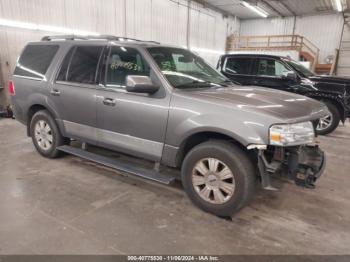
x=35, y=60
x=124, y=61
x=238, y=65
x=302, y=70
x=82, y=65
x=62, y=76
x=271, y=67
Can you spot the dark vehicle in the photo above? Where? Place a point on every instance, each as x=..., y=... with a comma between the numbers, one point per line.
x=286, y=74
x=166, y=106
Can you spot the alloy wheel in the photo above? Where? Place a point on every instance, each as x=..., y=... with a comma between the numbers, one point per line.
x=325, y=122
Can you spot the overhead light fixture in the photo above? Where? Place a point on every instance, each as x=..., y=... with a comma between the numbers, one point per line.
x=256, y=9
x=45, y=28
x=338, y=5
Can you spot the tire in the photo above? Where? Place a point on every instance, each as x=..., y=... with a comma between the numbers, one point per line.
x=229, y=155
x=334, y=119
x=43, y=121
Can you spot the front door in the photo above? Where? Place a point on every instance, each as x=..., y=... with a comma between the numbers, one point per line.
x=131, y=123
x=239, y=69
x=272, y=73
x=73, y=93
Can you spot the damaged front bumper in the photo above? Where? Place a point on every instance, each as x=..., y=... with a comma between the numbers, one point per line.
x=302, y=164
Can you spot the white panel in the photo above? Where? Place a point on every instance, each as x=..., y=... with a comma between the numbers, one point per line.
x=271, y=26
x=110, y=20
x=343, y=67
x=169, y=22
x=47, y=12
x=324, y=31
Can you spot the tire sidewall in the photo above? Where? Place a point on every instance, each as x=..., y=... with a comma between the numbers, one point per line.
x=239, y=173
x=43, y=115
x=336, y=118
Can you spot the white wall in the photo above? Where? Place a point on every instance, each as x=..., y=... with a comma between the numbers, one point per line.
x=324, y=31
x=165, y=21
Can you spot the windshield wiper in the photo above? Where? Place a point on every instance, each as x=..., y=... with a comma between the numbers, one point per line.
x=195, y=84
x=228, y=81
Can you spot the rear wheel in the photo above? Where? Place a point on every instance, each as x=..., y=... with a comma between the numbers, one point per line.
x=218, y=177
x=330, y=122
x=45, y=134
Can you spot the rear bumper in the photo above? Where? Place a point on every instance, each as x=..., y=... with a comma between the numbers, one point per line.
x=301, y=164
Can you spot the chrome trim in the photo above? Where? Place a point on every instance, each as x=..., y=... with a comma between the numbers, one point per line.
x=260, y=147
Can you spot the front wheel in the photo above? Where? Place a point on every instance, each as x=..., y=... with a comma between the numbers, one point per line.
x=218, y=177
x=330, y=122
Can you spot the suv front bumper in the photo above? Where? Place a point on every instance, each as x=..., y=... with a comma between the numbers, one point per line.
x=302, y=164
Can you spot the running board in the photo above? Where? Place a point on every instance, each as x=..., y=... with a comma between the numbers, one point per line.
x=118, y=165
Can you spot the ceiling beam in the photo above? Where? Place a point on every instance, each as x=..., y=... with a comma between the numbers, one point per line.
x=213, y=7
x=287, y=7
x=272, y=8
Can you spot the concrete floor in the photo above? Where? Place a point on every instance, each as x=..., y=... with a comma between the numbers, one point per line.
x=71, y=206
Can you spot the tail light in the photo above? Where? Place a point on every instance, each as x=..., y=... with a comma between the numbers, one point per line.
x=12, y=88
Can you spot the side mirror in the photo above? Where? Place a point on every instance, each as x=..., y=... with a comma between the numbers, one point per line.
x=140, y=84
x=290, y=75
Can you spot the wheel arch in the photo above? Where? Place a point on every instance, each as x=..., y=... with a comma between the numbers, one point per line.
x=31, y=112
x=334, y=100
x=199, y=137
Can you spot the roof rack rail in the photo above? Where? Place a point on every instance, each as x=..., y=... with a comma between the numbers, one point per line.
x=93, y=37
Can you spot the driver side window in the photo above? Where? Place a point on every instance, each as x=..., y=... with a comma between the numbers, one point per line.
x=124, y=61
x=271, y=67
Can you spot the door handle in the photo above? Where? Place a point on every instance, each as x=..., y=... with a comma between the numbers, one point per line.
x=55, y=92
x=109, y=102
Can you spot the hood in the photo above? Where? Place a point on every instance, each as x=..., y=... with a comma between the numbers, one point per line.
x=287, y=107
x=335, y=84
x=331, y=79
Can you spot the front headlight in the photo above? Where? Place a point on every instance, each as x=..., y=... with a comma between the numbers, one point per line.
x=292, y=134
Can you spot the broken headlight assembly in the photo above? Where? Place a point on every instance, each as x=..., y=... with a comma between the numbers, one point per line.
x=291, y=134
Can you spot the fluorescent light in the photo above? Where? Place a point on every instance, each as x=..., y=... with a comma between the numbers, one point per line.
x=255, y=9
x=338, y=5
x=45, y=28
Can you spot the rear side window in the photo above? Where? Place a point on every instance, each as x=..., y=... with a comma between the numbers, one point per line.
x=80, y=65
x=238, y=65
x=35, y=60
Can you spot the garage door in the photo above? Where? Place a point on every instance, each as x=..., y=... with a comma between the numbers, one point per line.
x=343, y=68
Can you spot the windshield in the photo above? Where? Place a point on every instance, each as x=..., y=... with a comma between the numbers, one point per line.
x=183, y=69
x=302, y=70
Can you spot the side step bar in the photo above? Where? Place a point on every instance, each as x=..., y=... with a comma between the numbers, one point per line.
x=118, y=165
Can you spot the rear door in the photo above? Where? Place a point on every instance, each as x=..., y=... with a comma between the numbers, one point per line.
x=239, y=69
x=271, y=73
x=73, y=93
x=131, y=123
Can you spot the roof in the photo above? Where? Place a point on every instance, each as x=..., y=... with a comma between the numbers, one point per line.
x=97, y=39
x=256, y=55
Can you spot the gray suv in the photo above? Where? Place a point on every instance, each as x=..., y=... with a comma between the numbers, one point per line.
x=165, y=105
